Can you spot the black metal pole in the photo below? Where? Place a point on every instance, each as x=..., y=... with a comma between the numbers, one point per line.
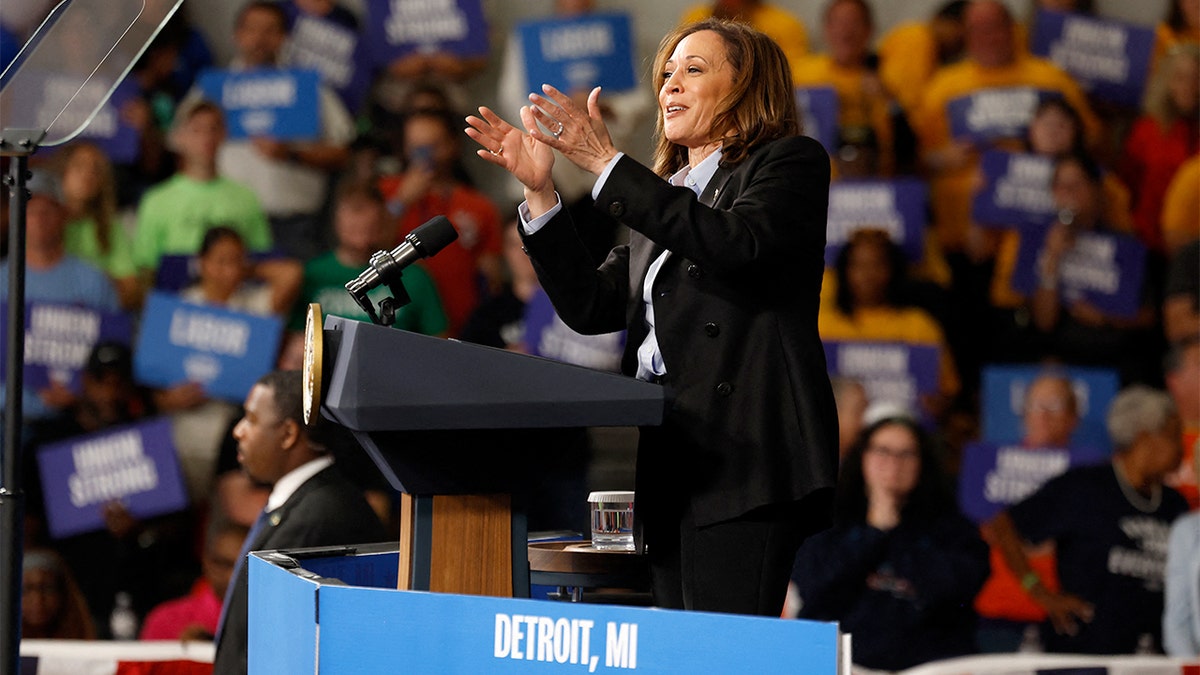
x=12, y=498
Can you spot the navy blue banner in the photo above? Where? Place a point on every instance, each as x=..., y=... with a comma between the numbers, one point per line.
x=577, y=54
x=397, y=28
x=546, y=335
x=335, y=51
x=895, y=372
x=1110, y=59
x=819, y=110
x=993, y=477
x=280, y=104
x=990, y=115
x=1105, y=269
x=224, y=351
x=897, y=206
x=134, y=465
x=1003, y=399
x=1015, y=191
x=58, y=340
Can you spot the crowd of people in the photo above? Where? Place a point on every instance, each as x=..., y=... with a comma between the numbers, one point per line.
x=264, y=226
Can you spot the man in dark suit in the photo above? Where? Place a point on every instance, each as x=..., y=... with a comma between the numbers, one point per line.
x=311, y=503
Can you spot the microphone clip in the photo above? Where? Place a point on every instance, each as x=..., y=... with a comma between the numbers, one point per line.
x=385, y=270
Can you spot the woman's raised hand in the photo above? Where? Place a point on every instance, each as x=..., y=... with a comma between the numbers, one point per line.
x=517, y=152
x=581, y=136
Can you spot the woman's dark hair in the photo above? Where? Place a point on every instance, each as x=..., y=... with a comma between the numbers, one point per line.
x=215, y=235
x=896, y=292
x=929, y=499
x=1062, y=105
x=761, y=106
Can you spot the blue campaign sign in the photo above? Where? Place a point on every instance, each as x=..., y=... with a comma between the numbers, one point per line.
x=896, y=372
x=819, y=110
x=1105, y=269
x=995, y=114
x=134, y=465
x=397, y=28
x=223, y=350
x=897, y=206
x=1003, y=398
x=1015, y=191
x=547, y=336
x=373, y=630
x=993, y=477
x=579, y=53
x=1110, y=59
x=280, y=104
x=59, y=338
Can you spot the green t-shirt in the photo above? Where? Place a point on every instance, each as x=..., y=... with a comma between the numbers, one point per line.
x=81, y=241
x=174, y=215
x=325, y=279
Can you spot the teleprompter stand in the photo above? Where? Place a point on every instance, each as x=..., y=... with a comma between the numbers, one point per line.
x=61, y=78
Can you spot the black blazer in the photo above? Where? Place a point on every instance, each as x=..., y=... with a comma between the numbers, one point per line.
x=326, y=510
x=753, y=420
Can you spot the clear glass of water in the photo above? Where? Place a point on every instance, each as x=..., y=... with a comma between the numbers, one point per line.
x=612, y=520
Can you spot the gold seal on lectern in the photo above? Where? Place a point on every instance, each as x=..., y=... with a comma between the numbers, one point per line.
x=314, y=352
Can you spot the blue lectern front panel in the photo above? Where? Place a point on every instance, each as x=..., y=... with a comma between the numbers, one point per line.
x=364, y=630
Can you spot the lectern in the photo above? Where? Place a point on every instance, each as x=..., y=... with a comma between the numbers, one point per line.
x=459, y=429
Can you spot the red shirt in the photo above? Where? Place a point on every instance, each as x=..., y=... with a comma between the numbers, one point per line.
x=168, y=620
x=455, y=269
x=1148, y=164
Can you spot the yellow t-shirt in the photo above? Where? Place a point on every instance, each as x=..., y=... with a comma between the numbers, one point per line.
x=910, y=325
x=786, y=30
x=951, y=189
x=859, y=104
x=907, y=60
x=1181, y=205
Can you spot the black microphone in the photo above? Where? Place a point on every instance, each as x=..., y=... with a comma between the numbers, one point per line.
x=386, y=266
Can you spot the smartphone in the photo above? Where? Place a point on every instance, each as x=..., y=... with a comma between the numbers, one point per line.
x=422, y=156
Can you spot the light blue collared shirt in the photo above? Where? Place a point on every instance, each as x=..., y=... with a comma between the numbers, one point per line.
x=649, y=356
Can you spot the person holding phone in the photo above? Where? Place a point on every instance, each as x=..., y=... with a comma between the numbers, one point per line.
x=431, y=186
x=718, y=288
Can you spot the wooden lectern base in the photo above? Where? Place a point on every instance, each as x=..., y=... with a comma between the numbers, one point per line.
x=456, y=544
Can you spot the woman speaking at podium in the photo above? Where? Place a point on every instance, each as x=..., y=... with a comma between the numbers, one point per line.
x=718, y=288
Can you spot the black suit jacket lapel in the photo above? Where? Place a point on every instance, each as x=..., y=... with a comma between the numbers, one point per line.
x=716, y=186
x=276, y=517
